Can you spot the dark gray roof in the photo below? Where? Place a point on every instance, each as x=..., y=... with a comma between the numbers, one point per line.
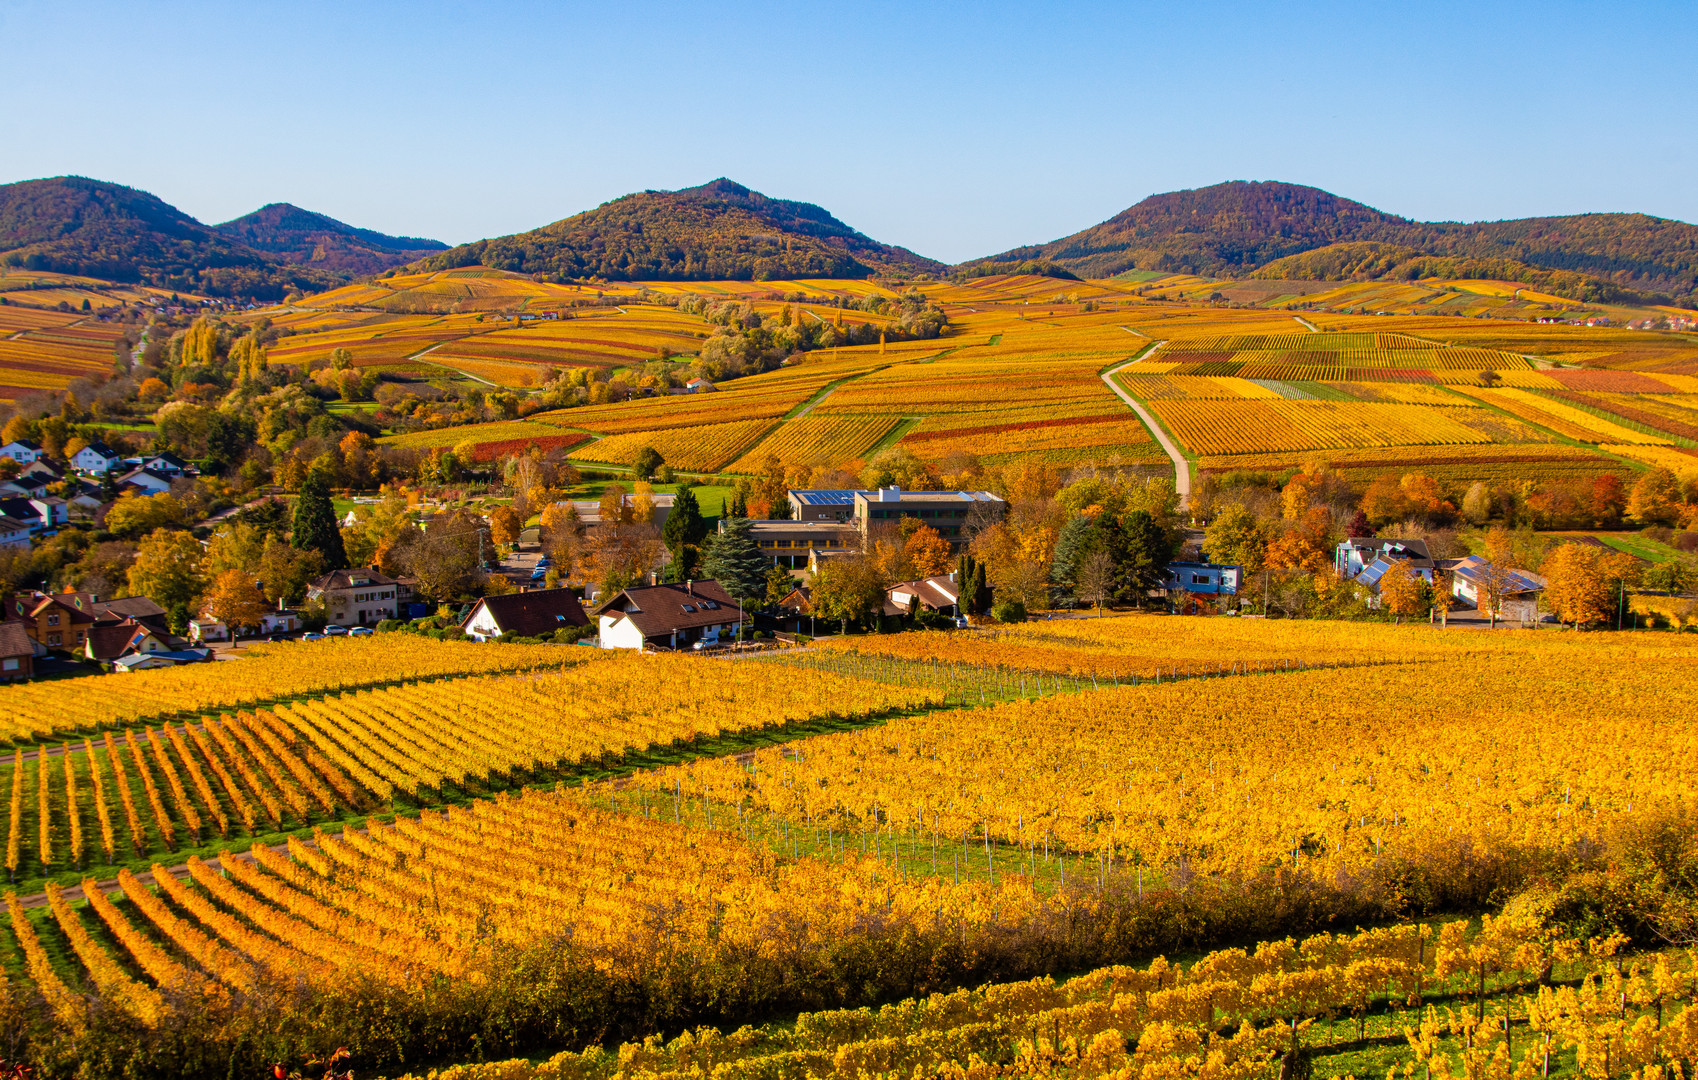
x=533, y=614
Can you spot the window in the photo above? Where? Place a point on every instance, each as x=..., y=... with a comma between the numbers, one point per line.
x=54, y=638
x=691, y=608
x=710, y=605
x=9, y=664
x=53, y=619
x=1199, y=579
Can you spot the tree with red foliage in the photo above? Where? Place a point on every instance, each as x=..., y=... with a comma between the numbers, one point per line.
x=1609, y=499
x=1359, y=528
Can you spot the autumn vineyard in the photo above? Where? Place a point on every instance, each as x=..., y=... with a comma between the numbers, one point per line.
x=1223, y=644
x=1175, y=847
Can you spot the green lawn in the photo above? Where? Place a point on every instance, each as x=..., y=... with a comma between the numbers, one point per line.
x=711, y=497
x=1631, y=542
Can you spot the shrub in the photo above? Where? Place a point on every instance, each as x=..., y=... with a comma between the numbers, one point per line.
x=1008, y=611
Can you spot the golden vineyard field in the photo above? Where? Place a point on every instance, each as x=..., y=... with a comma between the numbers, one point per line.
x=1131, y=787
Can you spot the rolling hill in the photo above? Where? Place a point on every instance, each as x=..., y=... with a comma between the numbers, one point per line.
x=304, y=238
x=720, y=231
x=1236, y=228
x=75, y=225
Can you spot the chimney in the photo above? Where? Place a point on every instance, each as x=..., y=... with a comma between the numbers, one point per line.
x=690, y=586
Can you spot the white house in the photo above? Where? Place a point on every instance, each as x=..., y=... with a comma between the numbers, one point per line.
x=281, y=621
x=21, y=451
x=525, y=614
x=13, y=533
x=1518, y=590
x=146, y=481
x=357, y=596
x=166, y=464
x=207, y=628
x=96, y=458
x=673, y=616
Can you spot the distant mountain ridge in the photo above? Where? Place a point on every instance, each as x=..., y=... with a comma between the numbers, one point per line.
x=720, y=230
x=1240, y=227
x=76, y=225
x=305, y=238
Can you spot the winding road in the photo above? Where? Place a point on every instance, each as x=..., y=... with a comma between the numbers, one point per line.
x=1181, y=470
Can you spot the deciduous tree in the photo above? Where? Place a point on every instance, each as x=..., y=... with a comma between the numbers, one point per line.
x=1577, y=585
x=1096, y=579
x=1656, y=498
x=1403, y=591
x=235, y=601
x=168, y=569
x=847, y=587
x=927, y=552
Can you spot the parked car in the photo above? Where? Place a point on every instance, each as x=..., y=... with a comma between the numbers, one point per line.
x=544, y=563
x=360, y=631
x=310, y=636
x=335, y=631
x=539, y=574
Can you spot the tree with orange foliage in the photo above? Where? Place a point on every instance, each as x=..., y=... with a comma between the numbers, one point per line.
x=927, y=552
x=1577, y=584
x=235, y=601
x=1384, y=501
x=1317, y=482
x=1308, y=547
x=1422, y=497
x=1403, y=591
x=505, y=525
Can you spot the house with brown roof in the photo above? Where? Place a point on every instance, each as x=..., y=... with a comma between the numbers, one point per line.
x=525, y=614
x=671, y=616
x=17, y=652
x=50, y=620
x=110, y=641
x=357, y=596
x=938, y=594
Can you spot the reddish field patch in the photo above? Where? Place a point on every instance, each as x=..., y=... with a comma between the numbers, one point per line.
x=1028, y=425
x=491, y=451
x=1621, y=382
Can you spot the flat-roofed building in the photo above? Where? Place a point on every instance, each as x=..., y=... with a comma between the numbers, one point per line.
x=792, y=543
x=829, y=504
x=945, y=511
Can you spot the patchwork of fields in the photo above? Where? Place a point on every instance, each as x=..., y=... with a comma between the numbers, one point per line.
x=1016, y=377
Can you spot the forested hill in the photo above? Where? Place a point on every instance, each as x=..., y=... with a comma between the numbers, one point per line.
x=75, y=225
x=718, y=231
x=1232, y=229
x=1221, y=231
x=306, y=238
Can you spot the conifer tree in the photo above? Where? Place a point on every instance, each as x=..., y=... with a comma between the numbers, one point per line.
x=315, y=524
x=735, y=561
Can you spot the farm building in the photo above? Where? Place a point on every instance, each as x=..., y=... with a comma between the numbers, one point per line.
x=1355, y=556
x=829, y=504
x=939, y=594
x=1518, y=590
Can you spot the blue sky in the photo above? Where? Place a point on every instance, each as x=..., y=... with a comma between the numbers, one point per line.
x=955, y=129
